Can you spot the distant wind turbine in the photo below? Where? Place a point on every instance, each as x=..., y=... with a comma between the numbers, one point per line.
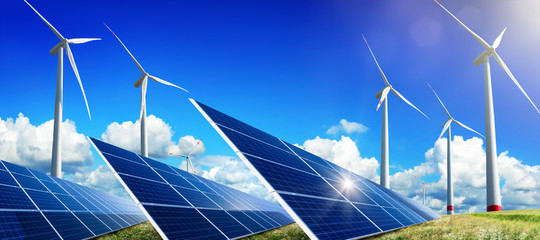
x=382, y=95
x=188, y=157
x=143, y=80
x=449, y=183
x=492, y=174
x=423, y=189
x=58, y=49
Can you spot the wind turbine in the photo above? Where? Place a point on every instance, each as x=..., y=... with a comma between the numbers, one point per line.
x=382, y=95
x=423, y=189
x=58, y=49
x=143, y=80
x=188, y=157
x=492, y=174
x=449, y=183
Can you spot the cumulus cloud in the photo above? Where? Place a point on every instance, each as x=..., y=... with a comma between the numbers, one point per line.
x=344, y=153
x=520, y=189
x=128, y=134
x=347, y=127
x=31, y=145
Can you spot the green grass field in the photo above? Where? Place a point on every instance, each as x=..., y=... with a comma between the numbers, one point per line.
x=518, y=224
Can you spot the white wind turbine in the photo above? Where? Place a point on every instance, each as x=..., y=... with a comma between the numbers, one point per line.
x=188, y=157
x=382, y=95
x=143, y=80
x=58, y=49
x=423, y=189
x=449, y=183
x=492, y=174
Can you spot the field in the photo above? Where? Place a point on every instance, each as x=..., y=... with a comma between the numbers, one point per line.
x=517, y=224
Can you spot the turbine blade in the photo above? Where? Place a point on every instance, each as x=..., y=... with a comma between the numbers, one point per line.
x=447, y=113
x=143, y=95
x=484, y=43
x=82, y=40
x=384, y=94
x=132, y=57
x=189, y=155
x=407, y=101
x=498, y=39
x=46, y=22
x=468, y=128
x=164, y=82
x=192, y=167
x=382, y=73
x=503, y=65
x=72, y=61
x=176, y=155
x=445, y=127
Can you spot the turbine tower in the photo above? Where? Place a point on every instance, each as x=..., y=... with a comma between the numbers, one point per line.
x=492, y=174
x=449, y=183
x=58, y=49
x=143, y=80
x=382, y=95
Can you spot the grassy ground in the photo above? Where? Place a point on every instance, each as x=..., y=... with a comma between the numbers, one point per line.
x=518, y=224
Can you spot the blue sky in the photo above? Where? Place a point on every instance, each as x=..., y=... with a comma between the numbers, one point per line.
x=291, y=68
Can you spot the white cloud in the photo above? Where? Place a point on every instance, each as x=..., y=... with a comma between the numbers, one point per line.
x=344, y=153
x=127, y=135
x=31, y=146
x=345, y=126
x=521, y=188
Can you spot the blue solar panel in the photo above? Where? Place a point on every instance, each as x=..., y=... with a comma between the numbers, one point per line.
x=68, y=225
x=186, y=206
x=98, y=227
x=247, y=221
x=6, y=178
x=34, y=205
x=25, y=225
x=183, y=223
x=226, y=223
x=330, y=201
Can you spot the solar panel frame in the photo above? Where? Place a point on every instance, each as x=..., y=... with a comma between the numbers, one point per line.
x=217, y=123
x=206, y=190
x=43, y=196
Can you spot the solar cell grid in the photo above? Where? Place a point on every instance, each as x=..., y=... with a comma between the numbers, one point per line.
x=329, y=201
x=36, y=206
x=25, y=225
x=178, y=203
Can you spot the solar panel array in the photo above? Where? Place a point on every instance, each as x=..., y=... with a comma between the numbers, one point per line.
x=182, y=205
x=34, y=205
x=326, y=200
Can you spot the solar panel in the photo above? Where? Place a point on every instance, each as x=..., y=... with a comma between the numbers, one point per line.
x=326, y=200
x=34, y=205
x=181, y=205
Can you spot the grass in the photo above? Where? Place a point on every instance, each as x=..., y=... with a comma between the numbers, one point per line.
x=517, y=224
x=143, y=230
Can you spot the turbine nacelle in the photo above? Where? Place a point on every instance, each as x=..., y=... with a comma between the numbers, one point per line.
x=59, y=45
x=140, y=80
x=379, y=93
x=489, y=51
x=480, y=59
